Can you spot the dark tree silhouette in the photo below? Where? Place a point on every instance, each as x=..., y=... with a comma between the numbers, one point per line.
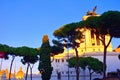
x=67, y=36
x=9, y=51
x=92, y=64
x=29, y=57
x=45, y=67
x=106, y=24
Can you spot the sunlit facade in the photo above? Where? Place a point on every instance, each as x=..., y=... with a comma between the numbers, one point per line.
x=90, y=46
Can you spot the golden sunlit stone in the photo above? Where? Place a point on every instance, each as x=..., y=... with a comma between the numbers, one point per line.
x=20, y=74
x=1, y=72
x=7, y=74
x=117, y=49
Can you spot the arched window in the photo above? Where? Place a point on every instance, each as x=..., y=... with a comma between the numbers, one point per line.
x=62, y=60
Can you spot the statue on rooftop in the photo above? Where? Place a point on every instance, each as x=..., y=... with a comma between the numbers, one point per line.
x=92, y=12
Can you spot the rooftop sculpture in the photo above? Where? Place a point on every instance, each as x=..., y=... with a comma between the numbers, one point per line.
x=92, y=12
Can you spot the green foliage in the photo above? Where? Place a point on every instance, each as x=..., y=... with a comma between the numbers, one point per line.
x=81, y=24
x=82, y=62
x=57, y=43
x=110, y=21
x=94, y=64
x=87, y=62
x=71, y=62
x=70, y=36
x=47, y=75
x=92, y=22
x=4, y=48
x=57, y=48
x=107, y=23
x=44, y=61
x=7, y=49
x=66, y=30
x=29, y=54
x=69, y=33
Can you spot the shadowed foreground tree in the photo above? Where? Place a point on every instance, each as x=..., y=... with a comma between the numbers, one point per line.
x=119, y=57
x=45, y=67
x=4, y=53
x=4, y=49
x=56, y=49
x=69, y=36
x=13, y=54
x=29, y=57
x=92, y=64
x=108, y=24
x=8, y=51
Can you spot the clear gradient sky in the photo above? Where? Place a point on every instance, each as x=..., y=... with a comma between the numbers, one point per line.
x=24, y=22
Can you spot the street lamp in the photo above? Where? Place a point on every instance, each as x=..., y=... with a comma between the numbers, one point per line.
x=68, y=59
x=58, y=74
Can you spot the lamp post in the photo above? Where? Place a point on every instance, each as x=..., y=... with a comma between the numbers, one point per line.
x=58, y=74
x=68, y=64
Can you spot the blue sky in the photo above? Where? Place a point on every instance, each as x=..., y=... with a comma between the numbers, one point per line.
x=24, y=22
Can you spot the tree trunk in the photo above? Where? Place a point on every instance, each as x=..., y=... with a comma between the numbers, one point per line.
x=31, y=72
x=27, y=71
x=13, y=57
x=104, y=57
x=90, y=74
x=77, y=66
x=104, y=63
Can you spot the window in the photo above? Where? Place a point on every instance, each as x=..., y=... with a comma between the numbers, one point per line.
x=62, y=72
x=81, y=50
x=57, y=60
x=62, y=60
x=70, y=72
x=67, y=72
x=98, y=49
